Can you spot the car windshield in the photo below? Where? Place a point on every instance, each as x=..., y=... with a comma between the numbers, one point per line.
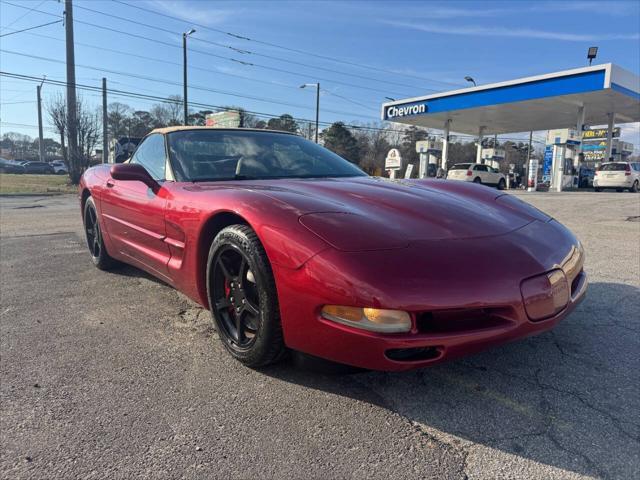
x=614, y=167
x=461, y=166
x=210, y=155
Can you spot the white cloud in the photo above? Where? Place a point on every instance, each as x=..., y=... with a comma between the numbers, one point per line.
x=440, y=12
x=510, y=32
x=190, y=13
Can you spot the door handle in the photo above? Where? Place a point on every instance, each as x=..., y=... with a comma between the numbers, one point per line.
x=110, y=184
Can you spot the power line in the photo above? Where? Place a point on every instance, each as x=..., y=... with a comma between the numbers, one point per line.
x=249, y=52
x=213, y=55
x=16, y=103
x=141, y=96
x=25, y=125
x=30, y=28
x=290, y=49
x=23, y=15
x=169, y=82
x=217, y=72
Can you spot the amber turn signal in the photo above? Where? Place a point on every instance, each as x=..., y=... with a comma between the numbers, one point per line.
x=372, y=319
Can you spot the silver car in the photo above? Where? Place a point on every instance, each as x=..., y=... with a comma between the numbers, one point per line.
x=618, y=175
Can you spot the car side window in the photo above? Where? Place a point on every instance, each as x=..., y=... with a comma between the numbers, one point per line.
x=481, y=168
x=152, y=156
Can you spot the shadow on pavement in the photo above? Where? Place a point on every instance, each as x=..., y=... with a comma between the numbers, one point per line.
x=567, y=398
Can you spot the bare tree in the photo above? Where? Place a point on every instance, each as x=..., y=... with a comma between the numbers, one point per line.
x=57, y=110
x=118, y=119
x=89, y=132
x=174, y=106
x=88, y=128
x=161, y=114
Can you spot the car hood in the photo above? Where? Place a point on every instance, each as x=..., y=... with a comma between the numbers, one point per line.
x=362, y=213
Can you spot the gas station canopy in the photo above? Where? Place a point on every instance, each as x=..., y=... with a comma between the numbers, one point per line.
x=543, y=102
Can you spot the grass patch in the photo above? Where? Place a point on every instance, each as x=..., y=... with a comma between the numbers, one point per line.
x=35, y=184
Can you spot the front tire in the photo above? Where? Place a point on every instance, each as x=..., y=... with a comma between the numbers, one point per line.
x=242, y=297
x=99, y=255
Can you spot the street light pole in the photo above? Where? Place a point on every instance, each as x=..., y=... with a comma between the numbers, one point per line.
x=317, y=85
x=184, y=73
x=40, y=134
x=317, y=110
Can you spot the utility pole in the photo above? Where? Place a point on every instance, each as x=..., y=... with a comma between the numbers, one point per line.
x=40, y=134
x=105, y=123
x=72, y=124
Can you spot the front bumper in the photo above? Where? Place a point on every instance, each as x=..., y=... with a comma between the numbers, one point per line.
x=420, y=280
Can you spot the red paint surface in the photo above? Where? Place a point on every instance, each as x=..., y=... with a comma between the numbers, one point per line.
x=419, y=246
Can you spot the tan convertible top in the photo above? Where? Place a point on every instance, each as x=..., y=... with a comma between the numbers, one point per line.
x=178, y=128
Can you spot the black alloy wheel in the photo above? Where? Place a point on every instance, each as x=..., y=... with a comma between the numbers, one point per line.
x=99, y=255
x=242, y=297
x=236, y=296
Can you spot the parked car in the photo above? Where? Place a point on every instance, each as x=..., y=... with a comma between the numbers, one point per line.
x=291, y=246
x=38, y=167
x=59, y=167
x=477, y=173
x=618, y=175
x=7, y=166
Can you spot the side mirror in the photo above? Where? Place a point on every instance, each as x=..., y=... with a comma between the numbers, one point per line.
x=133, y=172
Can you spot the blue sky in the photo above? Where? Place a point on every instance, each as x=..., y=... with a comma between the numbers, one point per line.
x=413, y=48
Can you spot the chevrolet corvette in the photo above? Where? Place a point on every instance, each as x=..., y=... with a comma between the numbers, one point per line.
x=291, y=247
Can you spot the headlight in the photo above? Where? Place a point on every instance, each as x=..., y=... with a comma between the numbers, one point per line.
x=372, y=319
x=545, y=295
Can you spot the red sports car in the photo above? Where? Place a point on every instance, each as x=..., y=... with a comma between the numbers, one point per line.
x=292, y=247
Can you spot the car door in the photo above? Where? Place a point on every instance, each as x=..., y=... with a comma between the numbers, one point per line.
x=481, y=171
x=494, y=176
x=134, y=215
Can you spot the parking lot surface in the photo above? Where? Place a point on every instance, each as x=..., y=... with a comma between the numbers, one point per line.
x=116, y=375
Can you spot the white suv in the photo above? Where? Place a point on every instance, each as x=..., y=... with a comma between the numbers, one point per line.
x=618, y=175
x=477, y=173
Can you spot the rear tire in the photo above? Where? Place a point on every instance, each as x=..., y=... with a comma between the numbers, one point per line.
x=477, y=180
x=243, y=299
x=634, y=188
x=597, y=189
x=502, y=184
x=99, y=255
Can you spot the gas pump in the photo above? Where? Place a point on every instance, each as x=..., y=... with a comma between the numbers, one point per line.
x=563, y=146
x=430, y=152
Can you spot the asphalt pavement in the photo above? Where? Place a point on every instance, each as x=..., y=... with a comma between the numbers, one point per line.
x=116, y=375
